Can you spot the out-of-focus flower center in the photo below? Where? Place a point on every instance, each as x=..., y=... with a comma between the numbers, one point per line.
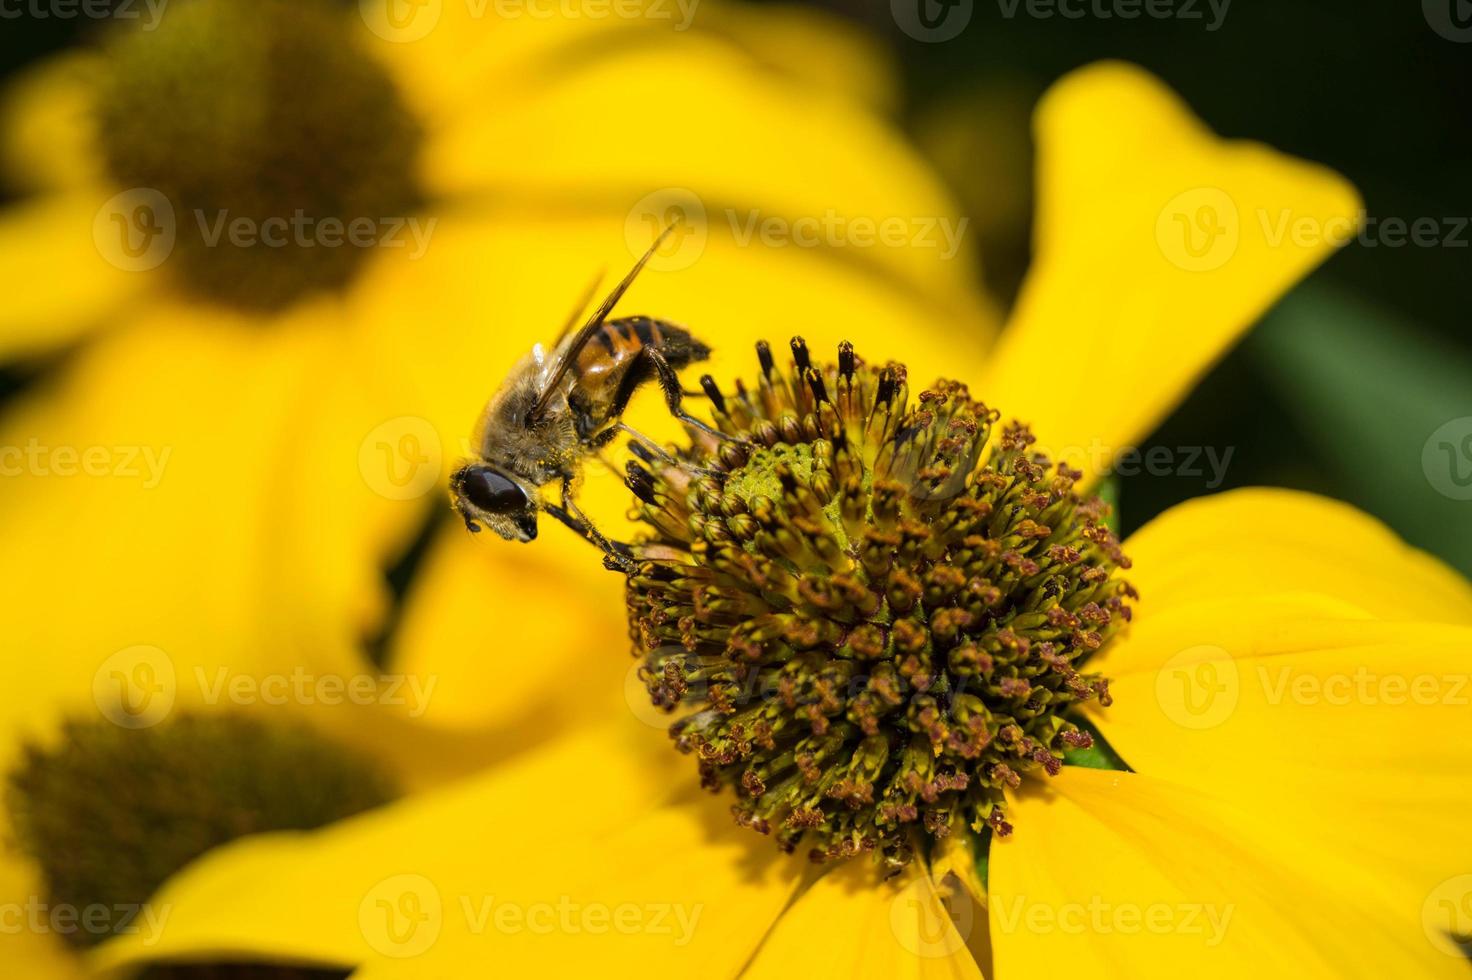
x=870, y=633
x=109, y=813
x=271, y=133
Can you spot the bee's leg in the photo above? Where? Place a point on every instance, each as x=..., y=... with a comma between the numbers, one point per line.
x=615, y=554
x=645, y=443
x=669, y=382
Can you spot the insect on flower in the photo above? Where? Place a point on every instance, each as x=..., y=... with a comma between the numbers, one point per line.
x=551, y=413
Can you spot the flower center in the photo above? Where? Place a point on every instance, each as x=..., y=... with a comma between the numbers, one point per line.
x=110, y=813
x=276, y=138
x=870, y=632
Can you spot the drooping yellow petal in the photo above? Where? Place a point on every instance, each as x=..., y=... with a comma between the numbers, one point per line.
x=44, y=310
x=46, y=138
x=1157, y=245
x=850, y=924
x=1261, y=541
x=1126, y=875
x=571, y=858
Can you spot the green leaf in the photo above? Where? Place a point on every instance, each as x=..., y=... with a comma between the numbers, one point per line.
x=1388, y=408
x=1100, y=755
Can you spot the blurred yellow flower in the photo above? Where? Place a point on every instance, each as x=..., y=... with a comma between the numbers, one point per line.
x=1255, y=832
x=241, y=441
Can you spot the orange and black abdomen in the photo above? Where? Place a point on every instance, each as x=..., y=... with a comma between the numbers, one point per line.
x=614, y=362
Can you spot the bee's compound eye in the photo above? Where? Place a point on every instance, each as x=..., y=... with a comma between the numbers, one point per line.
x=491, y=492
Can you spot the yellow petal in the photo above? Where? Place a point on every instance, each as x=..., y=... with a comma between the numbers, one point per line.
x=132, y=523
x=1113, y=874
x=43, y=309
x=820, y=51
x=890, y=216
x=1355, y=727
x=545, y=863
x=31, y=928
x=1260, y=541
x=1129, y=300
x=850, y=924
x=46, y=137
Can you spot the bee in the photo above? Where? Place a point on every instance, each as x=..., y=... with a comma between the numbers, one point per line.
x=552, y=412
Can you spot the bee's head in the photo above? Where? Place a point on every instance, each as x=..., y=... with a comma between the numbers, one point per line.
x=483, y=495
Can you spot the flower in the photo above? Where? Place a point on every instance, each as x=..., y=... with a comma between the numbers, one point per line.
x=219, y=489
x=1264, y=823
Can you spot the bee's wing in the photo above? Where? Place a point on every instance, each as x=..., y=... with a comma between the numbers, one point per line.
x=567, y=350
x=583, y=301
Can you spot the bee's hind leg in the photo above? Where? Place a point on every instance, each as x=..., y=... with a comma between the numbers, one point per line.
x=616, y=555
x=674, y=394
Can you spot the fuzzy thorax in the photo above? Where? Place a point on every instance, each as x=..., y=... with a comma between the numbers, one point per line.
x=869, y=613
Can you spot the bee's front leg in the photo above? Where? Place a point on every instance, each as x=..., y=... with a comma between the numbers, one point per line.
x=615, y=554
x=669, y=383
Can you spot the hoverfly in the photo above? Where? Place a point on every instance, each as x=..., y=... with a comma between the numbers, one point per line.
x=552, y=412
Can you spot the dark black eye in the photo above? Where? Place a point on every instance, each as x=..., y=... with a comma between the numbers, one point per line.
x=490, y=491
